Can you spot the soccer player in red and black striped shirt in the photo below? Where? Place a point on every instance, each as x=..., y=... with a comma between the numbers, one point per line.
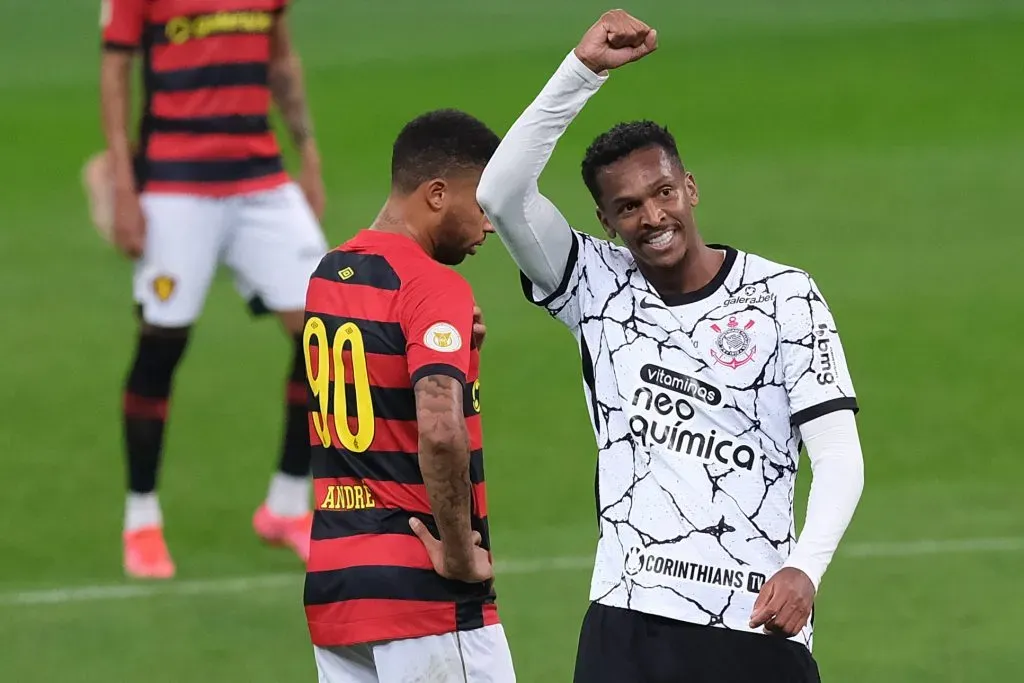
x=399, y=576
x=203, y=184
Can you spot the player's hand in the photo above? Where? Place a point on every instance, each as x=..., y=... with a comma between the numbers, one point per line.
x=784, y=603
x=312, y=182
x=479, y=329
x=99, y=193
x=474, y=568
x=129, y=222
x=617, y=38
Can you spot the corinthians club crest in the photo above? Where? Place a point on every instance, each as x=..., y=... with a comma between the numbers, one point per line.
x=734, y=344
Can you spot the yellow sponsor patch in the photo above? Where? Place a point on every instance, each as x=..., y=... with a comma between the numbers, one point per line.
x=183, y=29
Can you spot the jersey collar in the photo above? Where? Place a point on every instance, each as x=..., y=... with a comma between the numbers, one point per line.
x=711, y=287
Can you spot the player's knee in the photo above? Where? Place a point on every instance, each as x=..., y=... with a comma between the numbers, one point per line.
x=158, y=352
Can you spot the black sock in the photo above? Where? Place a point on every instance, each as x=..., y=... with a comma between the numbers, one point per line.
x=146, y=399
x=295, y=450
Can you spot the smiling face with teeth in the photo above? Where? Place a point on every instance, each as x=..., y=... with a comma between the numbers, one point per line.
x=647, y=199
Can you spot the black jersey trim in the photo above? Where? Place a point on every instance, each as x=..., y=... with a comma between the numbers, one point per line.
x=588, y=378
x=711, y=287
x=438, y=369
x=830, y=406
x=570, y=266
x=115, y=46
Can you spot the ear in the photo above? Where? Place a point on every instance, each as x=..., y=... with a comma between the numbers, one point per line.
x=604, y=222
x=692, y=191
x=435, y=192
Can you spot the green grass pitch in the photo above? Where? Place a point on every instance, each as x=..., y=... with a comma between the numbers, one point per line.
x=877, y=143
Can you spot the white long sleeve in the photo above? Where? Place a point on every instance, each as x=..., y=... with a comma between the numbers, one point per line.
x=531, y=227
x=837, y=480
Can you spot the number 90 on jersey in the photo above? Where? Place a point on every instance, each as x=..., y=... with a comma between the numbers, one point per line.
x=329, y=353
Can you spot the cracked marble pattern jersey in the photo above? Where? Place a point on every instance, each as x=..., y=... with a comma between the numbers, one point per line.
x=695, y=406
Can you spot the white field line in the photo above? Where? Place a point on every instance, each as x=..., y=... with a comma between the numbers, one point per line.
x=293, y=581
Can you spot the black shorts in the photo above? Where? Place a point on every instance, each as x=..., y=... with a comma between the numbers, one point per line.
x=622, y=646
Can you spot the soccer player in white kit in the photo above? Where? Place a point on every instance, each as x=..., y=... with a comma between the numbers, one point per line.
x=705, y=368
x=204, y=184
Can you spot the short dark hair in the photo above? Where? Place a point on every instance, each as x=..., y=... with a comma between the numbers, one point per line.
x=437, y=144
x=620, y=141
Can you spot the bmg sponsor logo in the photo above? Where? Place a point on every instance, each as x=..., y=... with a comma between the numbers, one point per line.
x=639, y=560
x=824, y=356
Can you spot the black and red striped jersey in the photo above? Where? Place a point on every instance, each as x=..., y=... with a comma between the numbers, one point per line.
x=380, y=315
x=205, y=124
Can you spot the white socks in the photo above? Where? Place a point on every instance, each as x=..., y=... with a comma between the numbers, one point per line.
x=288, y=495
x=142, y=510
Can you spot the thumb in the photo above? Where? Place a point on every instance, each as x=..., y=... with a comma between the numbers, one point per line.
x=476, y=538
x=757, y=615
x=649, y=45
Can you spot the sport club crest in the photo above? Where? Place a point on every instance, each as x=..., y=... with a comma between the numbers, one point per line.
x=734, y=343
x=163, y=287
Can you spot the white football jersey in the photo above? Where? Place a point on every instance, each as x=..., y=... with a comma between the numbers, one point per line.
x=695, y=403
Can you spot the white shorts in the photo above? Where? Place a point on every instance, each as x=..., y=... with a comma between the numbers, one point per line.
x=478, y=656
x=270, y=240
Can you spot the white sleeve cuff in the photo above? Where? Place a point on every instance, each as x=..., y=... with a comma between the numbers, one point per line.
x=572, y=64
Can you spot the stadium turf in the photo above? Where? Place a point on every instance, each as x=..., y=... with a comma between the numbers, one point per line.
x=878, y=143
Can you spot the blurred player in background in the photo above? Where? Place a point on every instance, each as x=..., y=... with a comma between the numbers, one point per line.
x=205, y=183
x=397, y=440
x=705, y=367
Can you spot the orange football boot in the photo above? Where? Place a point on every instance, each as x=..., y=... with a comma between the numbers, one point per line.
x=146, y=555
x=292, y=532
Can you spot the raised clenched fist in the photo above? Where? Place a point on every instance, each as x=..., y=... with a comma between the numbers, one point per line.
x=617, y=38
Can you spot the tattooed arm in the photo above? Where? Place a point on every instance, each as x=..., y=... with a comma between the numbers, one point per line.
x=444, y=462
x=288, y=91
x=438, y=331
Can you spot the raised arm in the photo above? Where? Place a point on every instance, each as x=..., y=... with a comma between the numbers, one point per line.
x=532, y=228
